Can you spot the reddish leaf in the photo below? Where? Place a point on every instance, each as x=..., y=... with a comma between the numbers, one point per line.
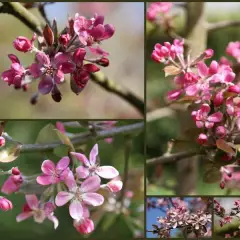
x=171, y=70
x=225, y=146
x=48, y=35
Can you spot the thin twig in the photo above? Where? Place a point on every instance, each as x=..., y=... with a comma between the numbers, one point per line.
x=171, y=158
x=223, y=24
x=42, y=10
x=83, y=138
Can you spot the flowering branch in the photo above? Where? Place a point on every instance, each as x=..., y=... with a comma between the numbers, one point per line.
x=80, y=78
x=223, y=24
x=83, y=138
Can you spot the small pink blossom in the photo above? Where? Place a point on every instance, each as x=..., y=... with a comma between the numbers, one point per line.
x=54, y=174
x=5, y=204
x=12, y=184
x=80, y=196
x=2, y=141
x=114, y=185
x=23, y=44
x=39, y=212
x=202, y=139
x=157, y=8
x=84, y=226
x=91, y=167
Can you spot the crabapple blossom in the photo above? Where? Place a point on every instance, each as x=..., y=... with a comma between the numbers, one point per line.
x=23, y=44
x=54, y=174
x=91, y=166
x=84, y=226
x=157, y=8
x=2, y=141
x=37, y=210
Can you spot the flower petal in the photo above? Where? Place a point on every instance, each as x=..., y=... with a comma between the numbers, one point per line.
x=45, y=179
x=54, y=220
x=91, y=184
x=42, y=58
x=82, y=172
x=45, y=86
x=93, y=199
x=70, y=181
x=24, y=216
x=63, y=163
x=215, y=117
x=93, y=154
x=62, y=198
x=32, y=201
x=76, y=210
x=81, y=157
x=48, y=167
x=107, y=172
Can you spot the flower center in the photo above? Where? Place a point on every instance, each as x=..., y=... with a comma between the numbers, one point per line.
x=50, y=70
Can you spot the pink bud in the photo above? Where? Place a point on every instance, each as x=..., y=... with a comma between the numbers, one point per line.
x=15, y=171
x=218, y=99
x=5, y=204
x=221, y=131
x=64, y=39
x=2, y=141
x=104, y=62
x=208, y=53
x=222, y=185
x=23, y=44
x=202, y=139
x=129, y=194
x=17, y=179
x=115, y=185
x=213, y=68
x=234, y=89
x=84, y=226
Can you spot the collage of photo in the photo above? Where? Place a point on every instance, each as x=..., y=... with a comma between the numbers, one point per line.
x=119, y=120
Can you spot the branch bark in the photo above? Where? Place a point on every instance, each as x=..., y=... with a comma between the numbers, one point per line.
x=212, y=27
x=83, y=138
x=20, y=12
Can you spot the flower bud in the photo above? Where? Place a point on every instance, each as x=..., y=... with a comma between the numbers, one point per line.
x=84, y=226
x=2, y=141
x=104, y=62
x=218, y=99
x=213, y=68
x=5, y=204
x=15, y=171
x=202, y=139
x=234, y=89
x=115, y=185
x=208, y=53
x=17, y=179
x=221, y=131
x=23, y=44
x=222, y=185
x=64, y=39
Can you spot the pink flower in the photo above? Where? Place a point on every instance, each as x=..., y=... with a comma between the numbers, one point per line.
x=53, y=174
x=23, y=44
x=80, y=196
x=15, y=74
x=84, y=226
x=233, y=49
x=5, y=204
x=82, y=72
x=51, y=71
x=114, y=185
x=91, y=167
x=174, y=94
x=202, y=119
x=39, y=212
x=157, y=8
x=202, y=139
x=12, y=184
x=221, y=131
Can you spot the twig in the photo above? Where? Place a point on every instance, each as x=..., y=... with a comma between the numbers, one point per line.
x=172, y=157
x=128, y=146
x=83, y=138
x=223, y=24
x=42, y=10
x=160, y=113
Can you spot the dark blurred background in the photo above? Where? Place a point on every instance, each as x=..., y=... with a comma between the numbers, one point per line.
x=161, y=131
x=126, y=67
x=108, y=224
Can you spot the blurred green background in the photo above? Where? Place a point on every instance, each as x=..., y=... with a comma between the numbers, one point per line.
x=126, y=67
x=161, y=131
x=108, y=224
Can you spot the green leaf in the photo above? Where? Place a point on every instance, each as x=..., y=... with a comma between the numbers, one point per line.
x=47, y=134
x=61, y=150
x=65, y=140
x=225, y=146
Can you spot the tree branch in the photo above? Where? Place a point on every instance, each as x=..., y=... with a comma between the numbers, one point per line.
x=223, y=24
x=83, y=138
x=20, y=12
x=171, y=158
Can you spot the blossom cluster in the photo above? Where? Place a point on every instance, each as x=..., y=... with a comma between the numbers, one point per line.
x=74, y=51
x=211, y=91
x=64, y=183
x=156, y=9
x=227, y=217
x=178, y=215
